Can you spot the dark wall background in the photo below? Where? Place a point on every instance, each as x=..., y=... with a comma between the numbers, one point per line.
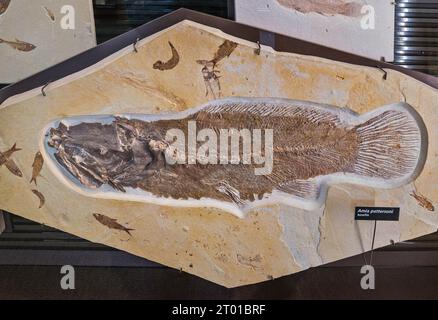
x=114, y=17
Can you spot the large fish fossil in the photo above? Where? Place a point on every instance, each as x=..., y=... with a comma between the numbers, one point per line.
x=124, y=157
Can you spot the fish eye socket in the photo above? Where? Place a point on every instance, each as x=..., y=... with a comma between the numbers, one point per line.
x=103, y=150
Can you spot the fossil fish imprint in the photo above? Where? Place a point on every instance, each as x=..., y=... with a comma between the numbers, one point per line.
x=111, y=223
x=125, y=157
x=19, y=45
x=423, y=201
x=4, y=4
x=169, y=64
x=209, y=71
x=325, y=7
x=40, y=197
x=37, y=165
x=13, y=168
x=5, y=156
x=49, y=13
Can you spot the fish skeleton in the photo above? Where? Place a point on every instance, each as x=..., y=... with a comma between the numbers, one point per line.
x=314, y=146
x=111, y=223
x=423, y=201
x=171, y=63
x=5, y=156
x=4, y=4
x=36, y=167
x=19, y=45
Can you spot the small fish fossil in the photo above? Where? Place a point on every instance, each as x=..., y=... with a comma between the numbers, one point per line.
x=5, y=156
x=36, y=167
x=111, y=223
x=40, y=196
x=313, y=146
x=13, y=168
x=423, y=201
x=209, y=71
x=224, y=51
x=171, y=63
x=49, y=13
x=19, y=45
x=211, y=76
x=4, y=4
x=325, y=7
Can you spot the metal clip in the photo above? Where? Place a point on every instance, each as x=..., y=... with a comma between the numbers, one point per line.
x=259, y=49
x=385, y=74
x=43, y=89
x=135, y=45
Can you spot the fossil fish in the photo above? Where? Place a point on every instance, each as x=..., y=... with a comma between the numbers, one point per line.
x=111, y=223
x=19, y=45
x=171, y=63
x=13, y=168
x=325, y=7
x=36, y=167
x=224, y=51
x=211, y=78
x=49, y=13
x=209, y=71
x=4, y=4
x=5, y=156
x=40, y=197
x=313, y=146
x=423, y=201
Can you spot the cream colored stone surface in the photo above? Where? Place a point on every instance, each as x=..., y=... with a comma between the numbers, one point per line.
x=30, y=21
x=370, y=34
x=272, y=241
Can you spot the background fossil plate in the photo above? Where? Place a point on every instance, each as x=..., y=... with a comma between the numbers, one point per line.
x=333, y=23
x=272, y=241
x=39, y=22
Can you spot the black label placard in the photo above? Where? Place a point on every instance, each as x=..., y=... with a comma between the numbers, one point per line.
x=377, y=213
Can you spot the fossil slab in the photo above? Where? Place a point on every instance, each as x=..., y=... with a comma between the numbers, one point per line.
x=273, y=240
x=324, y=7
x=365, y=28
x=248, y=153
x=35, y=35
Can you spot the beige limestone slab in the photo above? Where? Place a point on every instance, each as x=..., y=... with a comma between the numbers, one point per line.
x=272, y=241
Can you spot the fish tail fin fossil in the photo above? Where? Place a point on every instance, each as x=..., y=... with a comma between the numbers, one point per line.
x=304, y=191
x=391, y=150
x=14, y=148
x=392, y=146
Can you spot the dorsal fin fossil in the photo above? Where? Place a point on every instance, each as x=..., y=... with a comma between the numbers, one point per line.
x=127, y=156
